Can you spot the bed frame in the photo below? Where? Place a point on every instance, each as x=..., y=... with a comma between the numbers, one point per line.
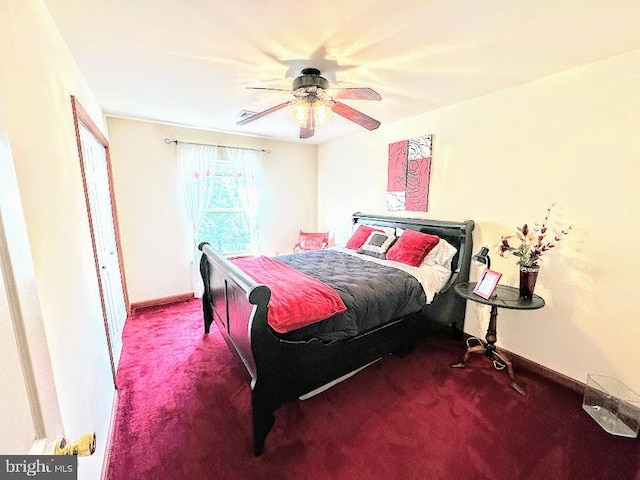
x=282, y=371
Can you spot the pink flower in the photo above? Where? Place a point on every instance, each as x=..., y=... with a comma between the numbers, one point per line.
x=532, y=242
x=504, y=246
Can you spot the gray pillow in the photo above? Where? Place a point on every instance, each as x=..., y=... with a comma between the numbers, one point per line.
x=377, y=244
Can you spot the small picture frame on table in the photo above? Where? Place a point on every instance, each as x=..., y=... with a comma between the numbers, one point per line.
x=487, y=283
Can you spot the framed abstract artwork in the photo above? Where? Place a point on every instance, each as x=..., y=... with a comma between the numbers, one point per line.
x=409, y=171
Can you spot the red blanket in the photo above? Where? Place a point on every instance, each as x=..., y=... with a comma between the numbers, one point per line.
x=297, y=300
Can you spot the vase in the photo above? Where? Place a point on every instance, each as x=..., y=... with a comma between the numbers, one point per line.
x=528, y=277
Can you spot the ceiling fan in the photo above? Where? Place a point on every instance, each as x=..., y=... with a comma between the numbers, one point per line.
x=312, y=105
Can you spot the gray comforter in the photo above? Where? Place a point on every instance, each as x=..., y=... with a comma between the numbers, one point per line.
x=373, y=294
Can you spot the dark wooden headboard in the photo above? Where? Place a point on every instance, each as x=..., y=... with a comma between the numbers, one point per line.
x=457, y=234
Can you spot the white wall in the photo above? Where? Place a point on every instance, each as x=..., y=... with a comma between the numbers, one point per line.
x=501, y=160
x=37, y=77
x=154, y=227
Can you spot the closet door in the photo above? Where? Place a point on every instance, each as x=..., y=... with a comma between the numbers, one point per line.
x=93, y=149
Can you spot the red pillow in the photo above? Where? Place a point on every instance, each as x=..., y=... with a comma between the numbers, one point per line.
x=412, y=247
x=360, y=236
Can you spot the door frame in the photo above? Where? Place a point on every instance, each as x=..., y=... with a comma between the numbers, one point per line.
x=19, y=285
x=80, y=116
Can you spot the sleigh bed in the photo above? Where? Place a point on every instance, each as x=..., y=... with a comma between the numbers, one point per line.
x=284, y=367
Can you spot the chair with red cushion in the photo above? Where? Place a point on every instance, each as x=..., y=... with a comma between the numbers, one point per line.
x=311, y=241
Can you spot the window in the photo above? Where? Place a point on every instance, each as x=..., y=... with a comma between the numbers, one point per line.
x=226, y=222
x=220, y=192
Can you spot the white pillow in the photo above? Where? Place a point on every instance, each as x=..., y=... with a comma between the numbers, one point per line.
x=441, y=254
x=387, y=230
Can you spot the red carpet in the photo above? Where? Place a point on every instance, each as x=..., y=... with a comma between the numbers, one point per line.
x=183, y=414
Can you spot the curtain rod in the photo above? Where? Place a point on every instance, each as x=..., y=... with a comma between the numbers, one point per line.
x=168, y=141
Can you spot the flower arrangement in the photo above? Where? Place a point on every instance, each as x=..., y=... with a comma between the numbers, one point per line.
x=533, y=242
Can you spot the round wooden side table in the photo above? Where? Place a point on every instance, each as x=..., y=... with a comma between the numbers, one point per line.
x=503, y=297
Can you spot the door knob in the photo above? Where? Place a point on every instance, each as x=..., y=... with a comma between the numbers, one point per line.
x=84, y=447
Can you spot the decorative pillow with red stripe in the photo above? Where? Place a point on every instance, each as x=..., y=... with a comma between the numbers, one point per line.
x=377, y=244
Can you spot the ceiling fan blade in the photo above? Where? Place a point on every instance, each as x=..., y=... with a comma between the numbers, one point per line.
x=306, y=132
x=355, y=116
x=258, y=115
x=269, y=88
x=355, y=94
x=309, y=128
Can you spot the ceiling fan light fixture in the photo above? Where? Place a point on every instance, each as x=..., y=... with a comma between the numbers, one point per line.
x=319, y=110
x=322, y=111
x=299, y=112
x=314, y=106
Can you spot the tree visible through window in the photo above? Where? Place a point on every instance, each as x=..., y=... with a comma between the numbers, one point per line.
x=225, y=225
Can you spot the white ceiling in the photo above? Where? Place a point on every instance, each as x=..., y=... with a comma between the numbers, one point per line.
x=189, y=62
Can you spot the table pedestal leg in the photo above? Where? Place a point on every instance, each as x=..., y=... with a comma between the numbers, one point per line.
x=488, y=347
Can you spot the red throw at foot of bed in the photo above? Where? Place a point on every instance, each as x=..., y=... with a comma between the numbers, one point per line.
x=297, y=300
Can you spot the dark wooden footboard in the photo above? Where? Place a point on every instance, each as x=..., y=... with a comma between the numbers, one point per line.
x=282, y=370
x=239, y=306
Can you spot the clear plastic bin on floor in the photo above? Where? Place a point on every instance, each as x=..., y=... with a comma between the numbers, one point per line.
x=613, y=405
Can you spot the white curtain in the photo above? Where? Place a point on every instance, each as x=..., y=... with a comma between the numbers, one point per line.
x=197, y=164
x=245, y=163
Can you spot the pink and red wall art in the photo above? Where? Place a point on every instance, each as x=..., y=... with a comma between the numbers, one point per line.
x=408, y=174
